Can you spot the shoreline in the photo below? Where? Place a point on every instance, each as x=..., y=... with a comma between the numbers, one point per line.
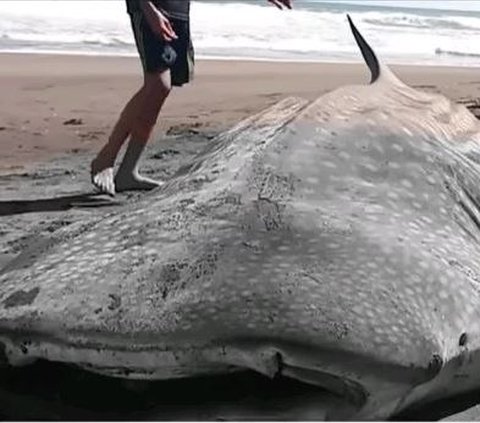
x=44, y=92
x=248, y=59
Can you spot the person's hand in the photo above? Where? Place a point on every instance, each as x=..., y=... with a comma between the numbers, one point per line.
x=282, y=3
x=161, y=26
x=158, y=22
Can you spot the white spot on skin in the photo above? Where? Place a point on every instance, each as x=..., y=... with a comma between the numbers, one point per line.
x=393, y=195
x=333, y=245
x=394, y=165
x=330, y=165
x=417, y=205
x=371, y=167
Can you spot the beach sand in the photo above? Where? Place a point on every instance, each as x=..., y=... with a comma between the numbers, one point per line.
x=56, y=112
x=42, y=92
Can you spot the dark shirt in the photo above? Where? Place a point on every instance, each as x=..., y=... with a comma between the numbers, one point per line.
x=176, y=9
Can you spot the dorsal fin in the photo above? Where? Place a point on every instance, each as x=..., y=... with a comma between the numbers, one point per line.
x=367, y=52
x=377, y=69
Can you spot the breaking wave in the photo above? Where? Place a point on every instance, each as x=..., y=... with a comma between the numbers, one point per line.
x=440, y=51
x=314, y=31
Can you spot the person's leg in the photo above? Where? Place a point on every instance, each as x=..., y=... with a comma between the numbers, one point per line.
x=178, y=58
x=142, y=108
x=102, y=165
x=156, y=89
x=164, y=65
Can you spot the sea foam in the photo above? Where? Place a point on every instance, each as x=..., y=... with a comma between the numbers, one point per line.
x=313, y=31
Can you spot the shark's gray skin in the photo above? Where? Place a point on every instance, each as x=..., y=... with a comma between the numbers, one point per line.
x=336, y=243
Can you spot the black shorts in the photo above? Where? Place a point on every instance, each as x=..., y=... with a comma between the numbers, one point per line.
x=157, y=54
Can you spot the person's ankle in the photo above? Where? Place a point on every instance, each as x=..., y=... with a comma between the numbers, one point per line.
x=100, y=163
x=104, y=159
x=133, y=180
x=125, y=173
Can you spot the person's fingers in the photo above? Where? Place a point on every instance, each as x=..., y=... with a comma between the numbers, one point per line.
x=282, y=3
x=166, y=37
x=169, y=29
x=276, y=3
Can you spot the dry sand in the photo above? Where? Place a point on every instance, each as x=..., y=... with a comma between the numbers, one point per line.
x=44, y=161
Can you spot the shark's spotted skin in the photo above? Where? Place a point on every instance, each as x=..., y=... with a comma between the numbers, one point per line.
x=335, y=242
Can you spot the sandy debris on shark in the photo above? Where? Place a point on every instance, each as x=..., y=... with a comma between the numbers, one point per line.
x=333, y=242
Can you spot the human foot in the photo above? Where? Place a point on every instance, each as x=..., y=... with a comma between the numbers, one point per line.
x=135, y=182
x=102, y=176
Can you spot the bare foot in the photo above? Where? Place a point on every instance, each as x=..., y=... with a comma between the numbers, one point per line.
x=135, y=182
x=102, y=177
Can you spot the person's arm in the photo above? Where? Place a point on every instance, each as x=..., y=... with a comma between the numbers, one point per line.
x=157, y=21
x=282, y=3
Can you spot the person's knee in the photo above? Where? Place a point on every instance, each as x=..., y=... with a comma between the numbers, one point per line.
x=155, y=90
x=158, y=85
x=161, y=89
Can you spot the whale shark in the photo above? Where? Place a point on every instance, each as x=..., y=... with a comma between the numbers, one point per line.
x=332, y=242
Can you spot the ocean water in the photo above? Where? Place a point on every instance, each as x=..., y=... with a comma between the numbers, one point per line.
x=314, y=31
